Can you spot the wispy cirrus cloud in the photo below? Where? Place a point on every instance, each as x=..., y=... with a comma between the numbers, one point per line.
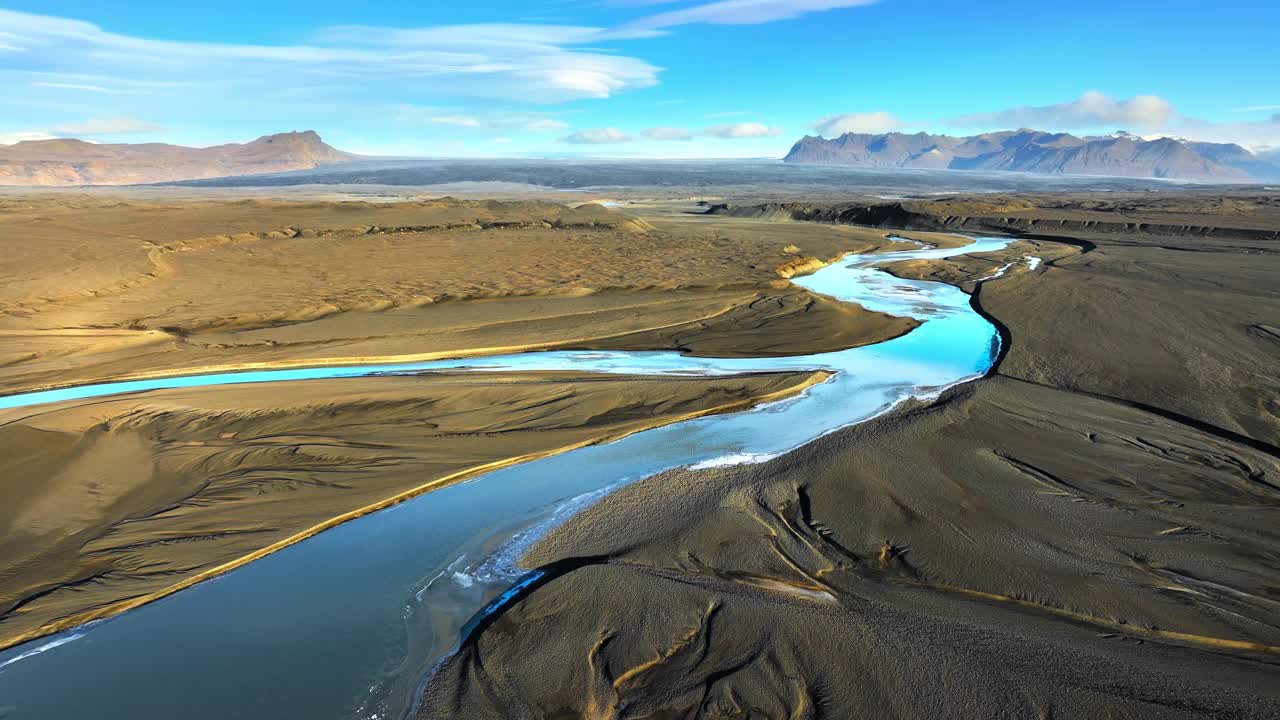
x=456, y=120
x=598, y=136
x=9, y=42
x=1263, y=134
x=1150, y=113
x=738, y=12
x=668, y=133
x=79, y=67
x=739, y=131
x=1092, y=109
x=59, y=79
x=495, y=120
x=532, y=63
x=104, y=126
x=9, y=138
x=546, y=124
x=74, y=86
x=93, y=127
x=736, y=131
x=865, y=122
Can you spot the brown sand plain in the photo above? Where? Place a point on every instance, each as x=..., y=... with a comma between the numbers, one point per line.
x=1092, y=531
x=108, y=503
x=94, y=287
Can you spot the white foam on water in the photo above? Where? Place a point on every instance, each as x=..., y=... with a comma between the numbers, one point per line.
x=996, y=274
x=503, y=564
x=733, y=459
x=41, y=648
x=910, y=241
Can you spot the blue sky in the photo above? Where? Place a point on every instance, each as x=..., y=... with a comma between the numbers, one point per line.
x=666, y=78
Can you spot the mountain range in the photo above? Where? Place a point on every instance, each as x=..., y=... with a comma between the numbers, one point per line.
x=62, y=162
x=65, y=162
x=1033, y=151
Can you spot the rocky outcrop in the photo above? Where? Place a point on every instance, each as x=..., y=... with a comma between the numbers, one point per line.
x=801, y=266
x=996, y=218
x=76, y=162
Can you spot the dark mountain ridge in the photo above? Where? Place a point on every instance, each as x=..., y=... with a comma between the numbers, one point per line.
x=1033, y=151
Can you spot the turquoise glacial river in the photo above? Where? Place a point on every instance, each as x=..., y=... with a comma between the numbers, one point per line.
x=347, y=623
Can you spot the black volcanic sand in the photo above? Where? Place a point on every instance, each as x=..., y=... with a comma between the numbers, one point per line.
x=1092, y=531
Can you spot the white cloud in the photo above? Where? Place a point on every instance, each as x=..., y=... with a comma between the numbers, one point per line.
x=60, y=79
x=475, y=37
x=9, y=138
x=104, y=126
x=456, y=120
x=535, y=63
x=738, y=131
x=869, y=122
x=599, y=136
x=545, y=124
x=89, y=128
x=405, y=147
x=1094, y=110
x=743, y=130
x=1254, y=135
x=532, y=122
x=668, y=133
x=738, y=12
x=72, y=86
x=1091, y=110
